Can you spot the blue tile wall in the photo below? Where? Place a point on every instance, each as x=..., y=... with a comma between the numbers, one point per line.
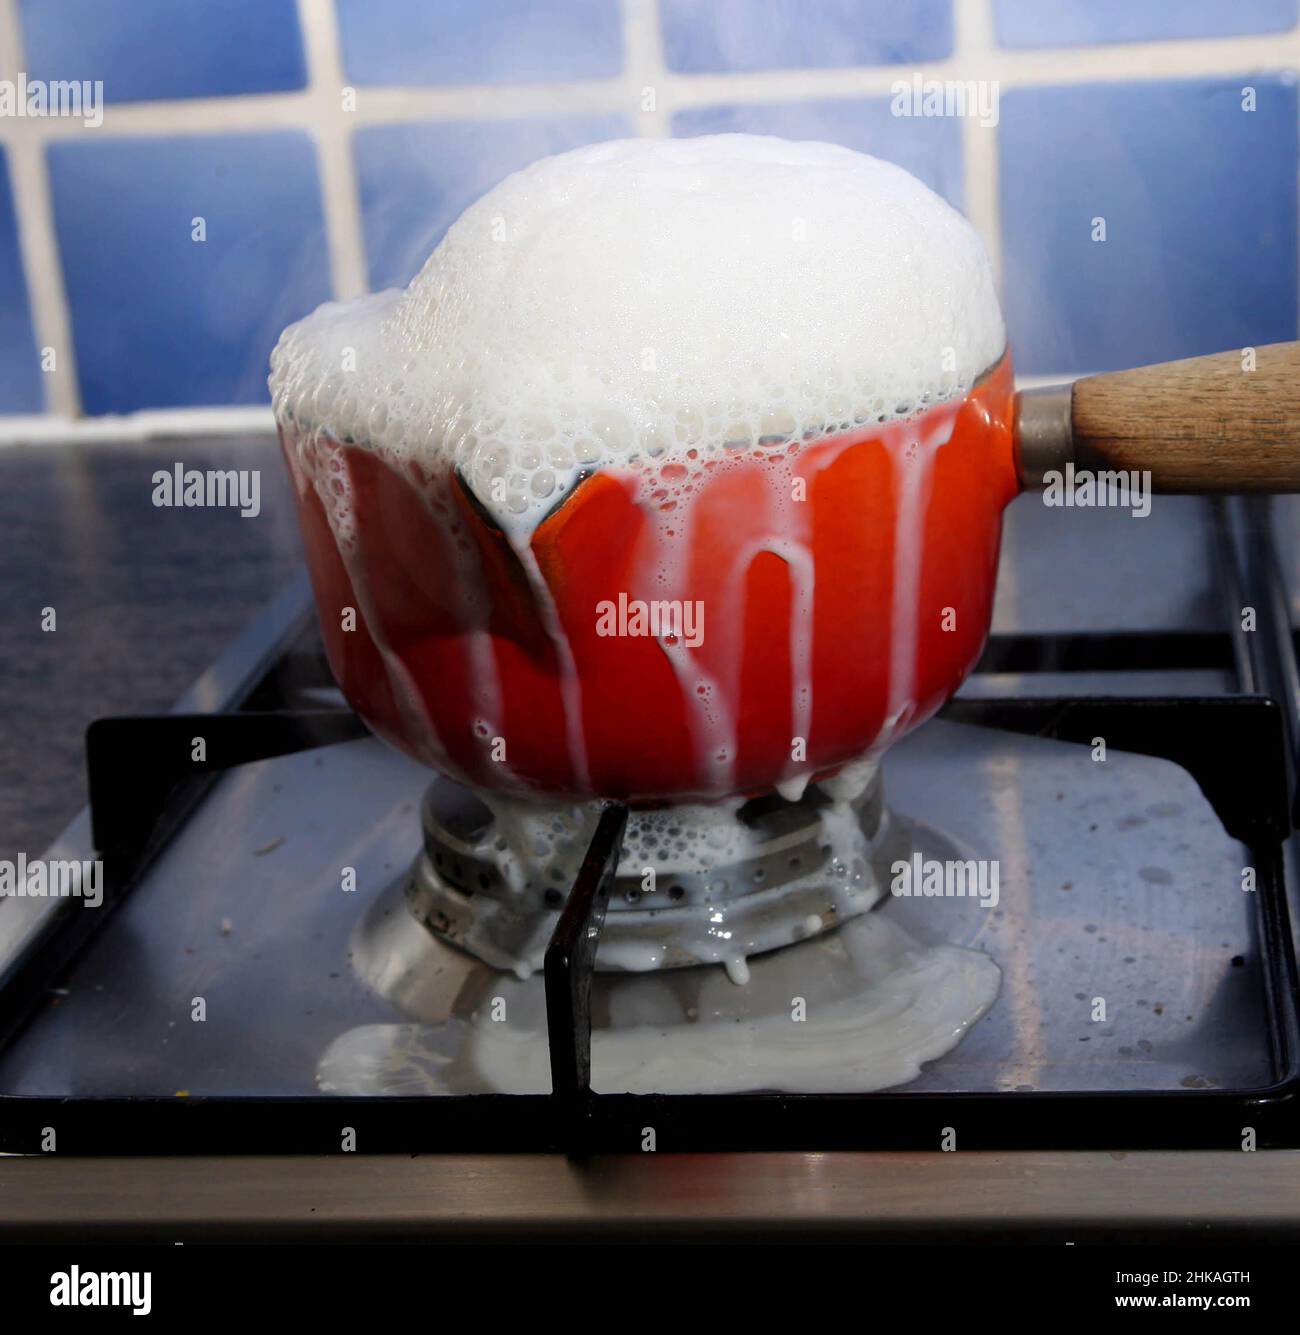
x=1080, y=22
x=420, y=42
x=415, y=180
x=21, y=388
x=1199, y=196
x=161, y=320
x=727, y=35
x=1199, y=199
x=154, y=49
x=928, y=147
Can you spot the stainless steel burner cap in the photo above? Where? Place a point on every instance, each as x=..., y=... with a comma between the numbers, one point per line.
x=785, y=871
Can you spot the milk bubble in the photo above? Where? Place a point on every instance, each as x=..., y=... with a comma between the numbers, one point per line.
x=643, y=302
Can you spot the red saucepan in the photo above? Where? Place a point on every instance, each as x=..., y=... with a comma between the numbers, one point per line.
x=825, y=596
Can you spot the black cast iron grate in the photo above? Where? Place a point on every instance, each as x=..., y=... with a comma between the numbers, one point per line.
x=143, y=784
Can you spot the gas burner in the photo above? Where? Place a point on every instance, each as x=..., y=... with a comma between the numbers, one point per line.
x=860, y=1007
x=695, y=884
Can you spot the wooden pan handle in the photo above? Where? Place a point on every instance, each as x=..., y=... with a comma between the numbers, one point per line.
x=1207, y=424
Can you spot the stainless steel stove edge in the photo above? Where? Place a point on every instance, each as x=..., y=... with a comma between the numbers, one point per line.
x=882, y=1197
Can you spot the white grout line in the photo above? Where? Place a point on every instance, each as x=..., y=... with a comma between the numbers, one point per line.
x=340, y=197
x=974, y=43
x=34, y=214
x=1102, y=64
x=644, y=72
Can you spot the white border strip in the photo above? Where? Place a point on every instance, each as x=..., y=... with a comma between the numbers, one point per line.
x=137, y=428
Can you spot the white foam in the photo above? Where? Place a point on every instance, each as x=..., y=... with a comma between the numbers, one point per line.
x=537, y=846
x=650, y=300
x=880, y=1004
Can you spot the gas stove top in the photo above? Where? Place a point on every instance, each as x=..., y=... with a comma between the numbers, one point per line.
x=285, y=951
